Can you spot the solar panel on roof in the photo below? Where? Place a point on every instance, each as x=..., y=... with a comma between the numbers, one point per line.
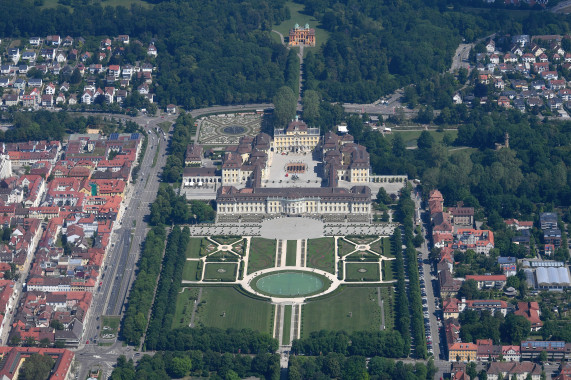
x=114, y=136
x=134, y=136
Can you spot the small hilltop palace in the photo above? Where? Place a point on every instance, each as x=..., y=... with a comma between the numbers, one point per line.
x=302, y=36
x=297, y=173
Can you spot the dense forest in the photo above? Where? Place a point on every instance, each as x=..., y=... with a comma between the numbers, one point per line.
x=505, y=182
x=211, y=52
x=375, y=46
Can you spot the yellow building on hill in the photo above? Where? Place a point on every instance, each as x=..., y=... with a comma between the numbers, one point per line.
x=302, y=36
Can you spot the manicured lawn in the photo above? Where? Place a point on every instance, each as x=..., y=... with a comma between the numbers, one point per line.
x=184, y=305
x=297, y=17
x=112, y=3
x=262, y=254
x=207, y=247
x=220, y=271
x=361, y=239
x=344, y=247
x=410, y=137
x=224, y=307
x=239, y=247
x=377, y=246
x=226, y=240
x=112, y=324
x=353, y=309
x=190, y=271
x=165, y=126
x=193, y=248
x=291, y=252
x=388, y=270
x=387, y=247
x=321, y=254
x=362, y=272
x=387, y=294
x=287, y=324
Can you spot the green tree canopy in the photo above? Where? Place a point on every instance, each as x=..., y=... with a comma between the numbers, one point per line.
x=36, y=367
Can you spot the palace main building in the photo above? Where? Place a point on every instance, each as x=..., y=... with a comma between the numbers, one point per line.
x=248, y=164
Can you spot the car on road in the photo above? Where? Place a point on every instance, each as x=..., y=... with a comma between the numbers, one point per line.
x=86, y=342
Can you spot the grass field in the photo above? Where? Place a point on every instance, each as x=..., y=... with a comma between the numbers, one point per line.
x=287, y=324
x=190, y=270
x=184, y=305
x=344, y=247
x=193, y=248
x=387, y=294
x=226, y=240
x=109, y=325
x=377, y=246
x=321, y=254
x=262, y=254
x=297, y=17
x=410, y=137
x=353, y=309
x=165, y=126
x=224, y=307
x=353, y=274
x=388, y=270
x=105, y=3
x=220, y=271
x=291, y=253
x=387, y=247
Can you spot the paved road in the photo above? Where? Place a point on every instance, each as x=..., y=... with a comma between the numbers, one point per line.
x=383, y=107
x=460, y=58
x=130, y=231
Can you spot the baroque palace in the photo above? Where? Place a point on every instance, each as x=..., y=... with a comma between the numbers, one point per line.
x=247, y=168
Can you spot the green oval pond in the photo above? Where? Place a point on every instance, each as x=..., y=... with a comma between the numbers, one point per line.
x=290, y=284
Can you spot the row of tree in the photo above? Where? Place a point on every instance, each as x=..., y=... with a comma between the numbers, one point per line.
x=338, y=366
x=387, y=343
x=141, y=294
x=405, y=214
x=199, y=363
x=402, y=313
x=168, y=288
x=169, y=208
x=182, y=136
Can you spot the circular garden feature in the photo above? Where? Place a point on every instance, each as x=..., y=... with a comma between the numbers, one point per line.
x=290, y=284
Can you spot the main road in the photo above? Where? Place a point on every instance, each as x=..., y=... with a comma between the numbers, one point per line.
x=120, y=262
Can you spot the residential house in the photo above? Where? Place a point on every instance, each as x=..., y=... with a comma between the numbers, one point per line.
x=152, y=50
x=47, y=100
x=67, y=41
x=35, y=41
x=548, y=220
x=53, y=40
x=491, y=46
x=511, y=353
x=507, y=370
x=531, y=312
x=487, y=281
x=29, y=56
x=508, y=265
x=124, y=38
x=14, y=55
x=462, y=352
x=555, y=350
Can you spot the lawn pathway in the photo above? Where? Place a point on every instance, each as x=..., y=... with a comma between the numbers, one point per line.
x=196, y=302
x=382, y=306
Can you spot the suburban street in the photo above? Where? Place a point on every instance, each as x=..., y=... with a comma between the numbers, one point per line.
x=120, y=262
